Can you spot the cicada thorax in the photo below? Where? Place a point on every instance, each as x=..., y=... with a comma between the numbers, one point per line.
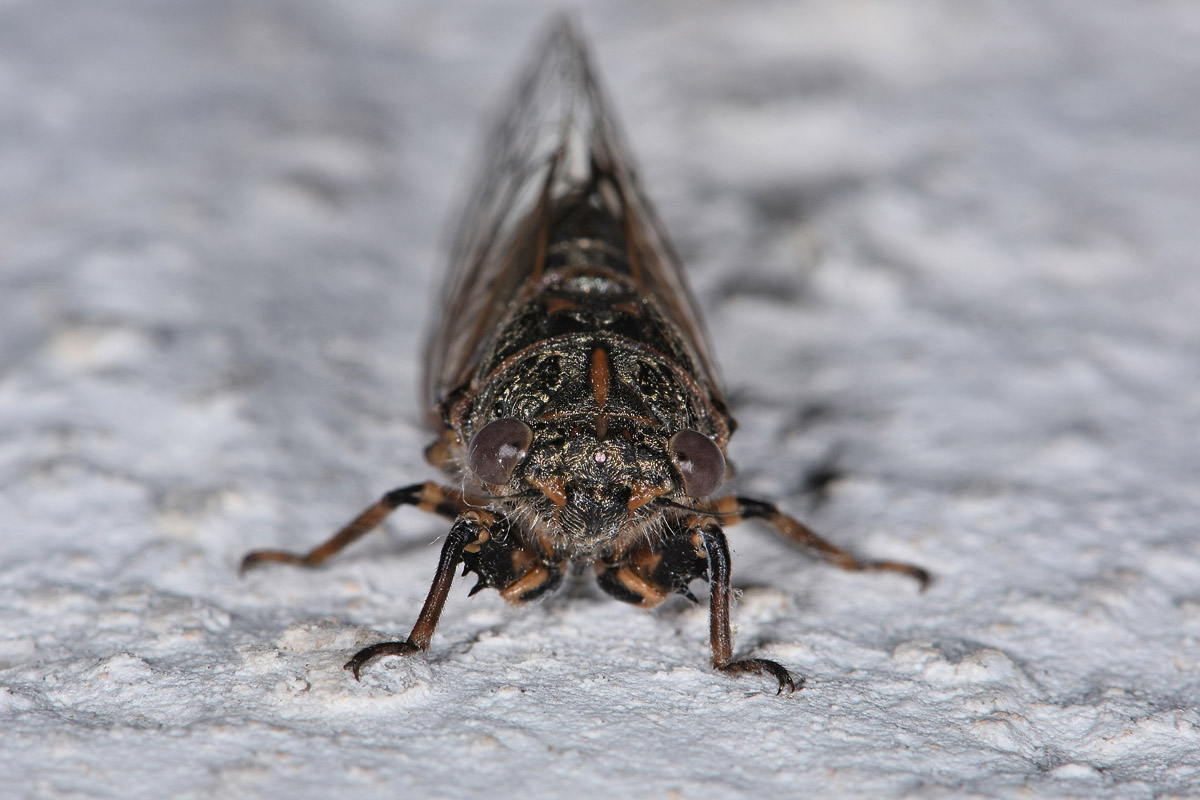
x=602, y=378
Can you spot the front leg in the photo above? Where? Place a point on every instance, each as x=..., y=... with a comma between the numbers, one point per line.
x=427, y=496
x=466, y=531
x=733, y=510
x=719, y=631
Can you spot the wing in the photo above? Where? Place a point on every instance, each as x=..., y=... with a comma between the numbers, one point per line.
x=555, y=133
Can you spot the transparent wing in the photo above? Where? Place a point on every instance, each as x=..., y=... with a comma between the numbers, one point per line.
x=555, y=133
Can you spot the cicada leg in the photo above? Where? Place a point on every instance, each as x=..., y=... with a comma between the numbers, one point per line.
x=648, y=574
x=487, y=545
x=719, y=630
x=645, y=575
x=733, y=510
x=429, y=497
x=466, y=530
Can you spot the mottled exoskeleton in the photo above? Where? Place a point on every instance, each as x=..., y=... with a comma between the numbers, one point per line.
x=571, y=383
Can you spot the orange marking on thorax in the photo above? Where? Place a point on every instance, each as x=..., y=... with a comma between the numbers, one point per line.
x=601, y=376
x=557, y=304
x=632, y=240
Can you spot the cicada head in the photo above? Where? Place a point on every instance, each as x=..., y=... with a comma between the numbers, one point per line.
x=589, y=480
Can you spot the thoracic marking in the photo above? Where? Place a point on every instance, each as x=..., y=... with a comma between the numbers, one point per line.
x=556, y=304
x=601, y=376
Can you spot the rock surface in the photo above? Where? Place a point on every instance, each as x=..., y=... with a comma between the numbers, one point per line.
x=949, y=259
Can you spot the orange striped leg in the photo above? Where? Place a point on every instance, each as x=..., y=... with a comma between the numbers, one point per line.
x=427, y=496
x=732, y=510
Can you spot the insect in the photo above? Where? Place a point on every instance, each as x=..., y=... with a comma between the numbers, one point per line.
x=571, y=385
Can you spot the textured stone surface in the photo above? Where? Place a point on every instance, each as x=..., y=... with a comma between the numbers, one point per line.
x=950, y=255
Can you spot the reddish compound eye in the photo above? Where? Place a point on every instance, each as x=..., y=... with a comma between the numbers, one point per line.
x=496, y=450
x=700, y=461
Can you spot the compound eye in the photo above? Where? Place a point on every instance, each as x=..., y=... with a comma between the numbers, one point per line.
x=496, y=450
x=700, y=461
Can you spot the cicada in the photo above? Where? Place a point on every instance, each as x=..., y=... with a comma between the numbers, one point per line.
x=571, y=384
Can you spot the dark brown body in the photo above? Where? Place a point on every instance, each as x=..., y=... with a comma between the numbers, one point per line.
x=571, y=384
